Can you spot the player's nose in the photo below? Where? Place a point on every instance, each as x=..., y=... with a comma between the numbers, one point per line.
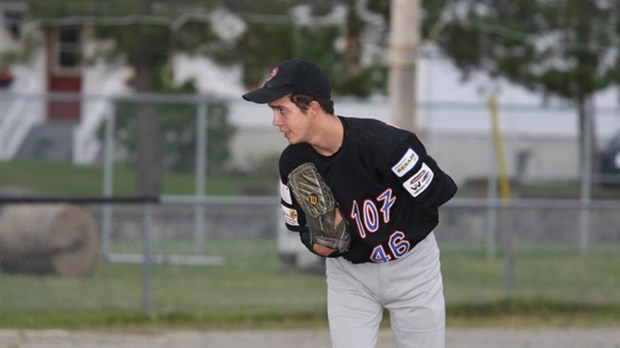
x=276, y=120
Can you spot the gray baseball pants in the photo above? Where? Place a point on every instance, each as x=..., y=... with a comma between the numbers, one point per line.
x=410, y=288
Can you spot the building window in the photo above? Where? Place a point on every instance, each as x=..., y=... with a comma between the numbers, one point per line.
x=13, y=20
x=523, y=165
x=68, y=48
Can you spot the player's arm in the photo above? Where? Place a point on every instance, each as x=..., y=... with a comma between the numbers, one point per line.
x=295, y=221
x=420, y=175
x=293, y=215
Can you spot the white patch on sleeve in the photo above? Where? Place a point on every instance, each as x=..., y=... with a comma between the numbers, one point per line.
x=419, y=181
x=285, y=193
x=290, y=216
x=406, y=163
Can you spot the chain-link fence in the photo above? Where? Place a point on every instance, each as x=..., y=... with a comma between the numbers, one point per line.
x=214, y=241
x=197, y=134
x=228, y=255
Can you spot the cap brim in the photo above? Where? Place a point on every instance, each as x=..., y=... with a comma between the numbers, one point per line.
x=264, y=95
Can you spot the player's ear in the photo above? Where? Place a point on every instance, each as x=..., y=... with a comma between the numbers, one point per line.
x=314, y=106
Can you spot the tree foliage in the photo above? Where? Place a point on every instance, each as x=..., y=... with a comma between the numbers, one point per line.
x=144, y=35
x=564, y=48
x=273, y=34
x=178, y=123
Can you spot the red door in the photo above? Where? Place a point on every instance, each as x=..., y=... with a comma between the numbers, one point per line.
x=64, y=72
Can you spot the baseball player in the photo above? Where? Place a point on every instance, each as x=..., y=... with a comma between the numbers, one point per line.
x=387, y=191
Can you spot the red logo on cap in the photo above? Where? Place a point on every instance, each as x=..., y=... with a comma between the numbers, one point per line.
x=273, y=74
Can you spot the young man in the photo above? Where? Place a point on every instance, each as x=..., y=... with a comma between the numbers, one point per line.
x=387, y=189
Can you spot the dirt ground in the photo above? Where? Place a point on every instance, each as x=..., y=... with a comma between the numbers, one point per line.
x=456, y=338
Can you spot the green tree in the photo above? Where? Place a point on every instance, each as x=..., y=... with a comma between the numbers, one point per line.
x=272, y=35
x=565, y=48
x=143, y=33
x=179, y=123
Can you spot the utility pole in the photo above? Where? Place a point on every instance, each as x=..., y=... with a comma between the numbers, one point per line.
x=404, y=41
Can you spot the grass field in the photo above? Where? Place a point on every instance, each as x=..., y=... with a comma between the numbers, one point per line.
x=64, y=179
x=550, y=286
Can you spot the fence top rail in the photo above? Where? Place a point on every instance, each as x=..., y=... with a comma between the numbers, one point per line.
x=161, y=98
x=77, y=199
x=272, y=200
x=533, y=203
x=455, y=203
x=202, y=98
x=220, y=200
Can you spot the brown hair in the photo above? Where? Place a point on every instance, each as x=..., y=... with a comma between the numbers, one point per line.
x=303, y=101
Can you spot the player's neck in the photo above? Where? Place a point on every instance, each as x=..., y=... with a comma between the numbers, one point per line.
x=329, y=136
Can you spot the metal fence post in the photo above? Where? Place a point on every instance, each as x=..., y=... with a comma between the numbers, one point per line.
x=586, y=179
x=108, y=183
x=510, y=249
x=200, y=173
x=491, y=218
x=146, y=258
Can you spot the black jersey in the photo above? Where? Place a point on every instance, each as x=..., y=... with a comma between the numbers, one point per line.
x=387, y=187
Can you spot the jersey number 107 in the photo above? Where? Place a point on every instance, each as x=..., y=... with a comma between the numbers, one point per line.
x=367, y=220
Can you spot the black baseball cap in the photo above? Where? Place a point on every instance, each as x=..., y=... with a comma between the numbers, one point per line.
x=296, y=75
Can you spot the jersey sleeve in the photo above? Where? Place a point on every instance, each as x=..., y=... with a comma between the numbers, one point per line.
x=420, y=175
x=293, y=216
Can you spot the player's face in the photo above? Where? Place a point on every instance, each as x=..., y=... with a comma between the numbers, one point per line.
x=290, y=120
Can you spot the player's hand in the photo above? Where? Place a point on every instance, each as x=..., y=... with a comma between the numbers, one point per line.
x=337, y=217
x=322, y=250
x=316, y=200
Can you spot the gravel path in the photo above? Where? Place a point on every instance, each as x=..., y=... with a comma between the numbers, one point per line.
x=456, y=338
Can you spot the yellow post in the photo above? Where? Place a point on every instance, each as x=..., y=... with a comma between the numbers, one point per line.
x=499, y=150
x=504, y=183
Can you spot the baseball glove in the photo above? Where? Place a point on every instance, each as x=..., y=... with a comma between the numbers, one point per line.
x=317, y=201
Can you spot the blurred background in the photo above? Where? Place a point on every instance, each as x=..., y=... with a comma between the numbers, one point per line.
x=137, y=185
